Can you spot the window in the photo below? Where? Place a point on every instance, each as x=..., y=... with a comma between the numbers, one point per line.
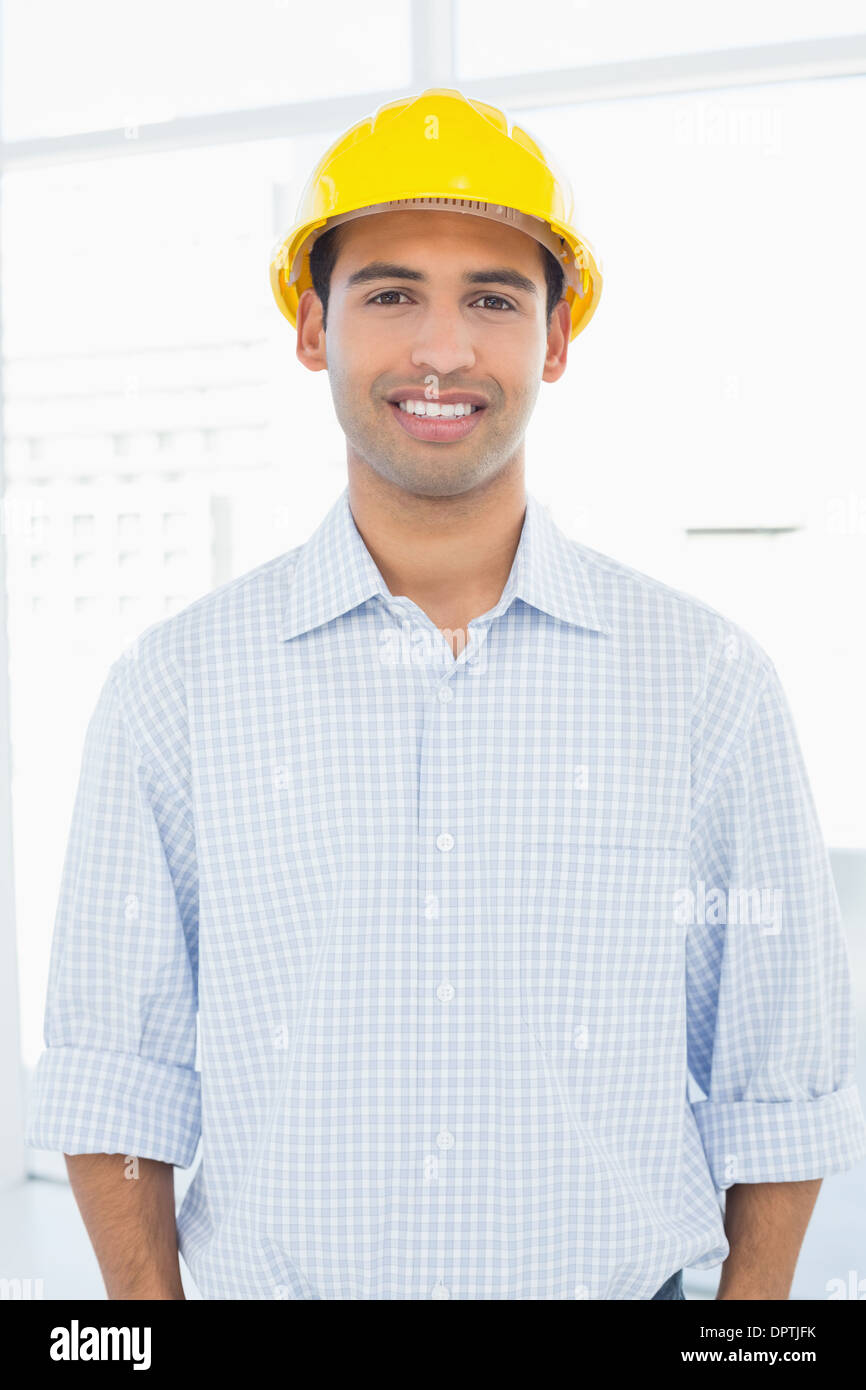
x=575, y=33
x=173, y=60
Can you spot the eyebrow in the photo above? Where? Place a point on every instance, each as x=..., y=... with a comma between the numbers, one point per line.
x=389, y=270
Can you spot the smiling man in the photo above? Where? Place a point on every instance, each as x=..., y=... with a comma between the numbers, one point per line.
x=436, y=333
x=451, y=833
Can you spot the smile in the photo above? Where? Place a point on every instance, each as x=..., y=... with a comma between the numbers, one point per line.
x=435, y=422
x=434, y=411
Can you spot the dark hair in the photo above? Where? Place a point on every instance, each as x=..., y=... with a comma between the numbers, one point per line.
x=324, y=255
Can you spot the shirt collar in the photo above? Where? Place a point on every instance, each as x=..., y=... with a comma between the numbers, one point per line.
x=334, y=572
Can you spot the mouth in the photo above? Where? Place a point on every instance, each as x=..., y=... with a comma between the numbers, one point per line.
x=438, y=422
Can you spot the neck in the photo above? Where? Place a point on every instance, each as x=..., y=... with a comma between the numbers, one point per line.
x=449, y=555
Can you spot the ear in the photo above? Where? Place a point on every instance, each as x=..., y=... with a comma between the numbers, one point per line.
x=557, y=342
x=311, y=348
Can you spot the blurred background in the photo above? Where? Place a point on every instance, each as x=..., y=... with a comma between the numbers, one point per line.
x=159, y=436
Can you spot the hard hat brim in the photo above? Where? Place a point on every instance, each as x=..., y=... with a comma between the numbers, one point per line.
x=290, y=270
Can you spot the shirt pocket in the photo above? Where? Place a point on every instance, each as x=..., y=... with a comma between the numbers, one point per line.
x=602, y=975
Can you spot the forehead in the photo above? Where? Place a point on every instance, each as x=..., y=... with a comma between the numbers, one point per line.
x=417, y=232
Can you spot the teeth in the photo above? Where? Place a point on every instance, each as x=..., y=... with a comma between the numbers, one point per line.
x=432, y=409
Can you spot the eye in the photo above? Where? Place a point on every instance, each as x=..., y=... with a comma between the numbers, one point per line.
x=499, y=299
x=383, y=292
x=484, y=301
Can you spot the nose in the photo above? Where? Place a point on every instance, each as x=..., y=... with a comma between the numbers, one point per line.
x=443, y=342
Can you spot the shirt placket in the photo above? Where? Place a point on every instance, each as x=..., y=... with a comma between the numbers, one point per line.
x=443, y=859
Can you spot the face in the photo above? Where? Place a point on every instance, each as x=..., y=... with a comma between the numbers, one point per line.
x=440, y=307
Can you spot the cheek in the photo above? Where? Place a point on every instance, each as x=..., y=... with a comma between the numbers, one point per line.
x=366, y=354
x=518, y=393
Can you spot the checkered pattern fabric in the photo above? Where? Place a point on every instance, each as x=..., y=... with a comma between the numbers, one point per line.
x=500, y=968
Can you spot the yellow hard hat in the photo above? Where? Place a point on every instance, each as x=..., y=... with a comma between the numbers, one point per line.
x=439, y=151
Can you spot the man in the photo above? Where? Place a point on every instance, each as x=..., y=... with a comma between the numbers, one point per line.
x=464, y=843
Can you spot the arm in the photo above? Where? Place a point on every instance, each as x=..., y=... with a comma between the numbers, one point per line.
x=127, y=1205
x=117, y=1076
x=770, y=1015
x=765, y=1223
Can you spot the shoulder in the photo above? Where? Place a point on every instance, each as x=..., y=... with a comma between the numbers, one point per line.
x=718, y=660
x=626, y=594
x=156, y=673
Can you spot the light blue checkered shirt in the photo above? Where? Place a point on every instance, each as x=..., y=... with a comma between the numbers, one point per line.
x=455, y=932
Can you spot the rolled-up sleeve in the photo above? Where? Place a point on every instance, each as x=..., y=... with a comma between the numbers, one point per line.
x=770, y=1013
x=117, y=1074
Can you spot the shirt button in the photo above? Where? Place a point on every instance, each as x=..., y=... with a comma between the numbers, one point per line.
x=444, y=992
x=445, y=693
x=445, y=1139
x=440, y=1291
x=445, y=841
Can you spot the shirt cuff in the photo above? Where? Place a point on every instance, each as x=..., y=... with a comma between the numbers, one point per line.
x=85, y=1101
x=781, y=1141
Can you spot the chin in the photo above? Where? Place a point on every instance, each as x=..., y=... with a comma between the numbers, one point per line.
x=433, y=481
